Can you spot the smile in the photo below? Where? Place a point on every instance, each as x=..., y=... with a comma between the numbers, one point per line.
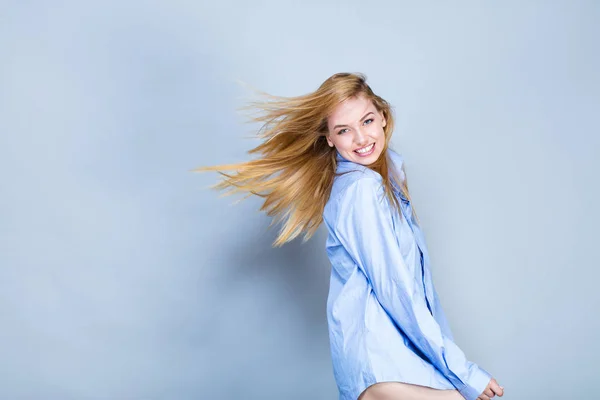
x=365, y=151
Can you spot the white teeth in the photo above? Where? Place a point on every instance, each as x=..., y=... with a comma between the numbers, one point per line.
x=366, y=149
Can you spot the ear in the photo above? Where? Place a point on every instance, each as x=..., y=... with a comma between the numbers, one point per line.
x=383, y=121
x=329, y=142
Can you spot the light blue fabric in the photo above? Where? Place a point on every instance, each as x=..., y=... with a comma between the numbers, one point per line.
x=385, y=319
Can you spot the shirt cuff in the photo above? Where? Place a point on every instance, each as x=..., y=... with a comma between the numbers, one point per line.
x=476, y=384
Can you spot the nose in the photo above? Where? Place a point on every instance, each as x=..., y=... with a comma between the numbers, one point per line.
x=360, y=138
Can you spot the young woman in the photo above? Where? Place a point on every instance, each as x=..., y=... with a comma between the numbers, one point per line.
x=326, y=158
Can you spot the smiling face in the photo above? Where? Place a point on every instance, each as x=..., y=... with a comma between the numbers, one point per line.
x=356, y=130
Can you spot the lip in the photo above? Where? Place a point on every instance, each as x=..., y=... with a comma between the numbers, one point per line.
x=368, y=153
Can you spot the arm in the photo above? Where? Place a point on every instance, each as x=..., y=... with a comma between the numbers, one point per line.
x=364, y=227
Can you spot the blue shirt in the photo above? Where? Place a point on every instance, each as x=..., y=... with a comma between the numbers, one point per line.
x=384, y=316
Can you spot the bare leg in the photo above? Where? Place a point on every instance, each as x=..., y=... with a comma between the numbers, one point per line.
x=405, y=391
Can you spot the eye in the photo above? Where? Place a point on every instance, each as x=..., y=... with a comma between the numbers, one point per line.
x=342, y=131
x=370, y=119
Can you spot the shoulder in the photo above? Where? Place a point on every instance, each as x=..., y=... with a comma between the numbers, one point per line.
x=359, y=176
x=356, y=188
x=359, y=182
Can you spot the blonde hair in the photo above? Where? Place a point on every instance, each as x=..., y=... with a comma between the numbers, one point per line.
x=296, y=167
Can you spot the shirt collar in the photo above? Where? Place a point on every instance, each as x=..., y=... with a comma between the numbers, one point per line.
x=344, y=163
x=339, y=157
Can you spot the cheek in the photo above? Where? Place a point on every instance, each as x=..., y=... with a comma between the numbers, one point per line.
x=377, y=130
x=345, y=143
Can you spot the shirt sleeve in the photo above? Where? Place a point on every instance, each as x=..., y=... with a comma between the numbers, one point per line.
x=365, y=228
x=440, y=316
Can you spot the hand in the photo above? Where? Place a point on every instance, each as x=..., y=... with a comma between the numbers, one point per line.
x=492, y=389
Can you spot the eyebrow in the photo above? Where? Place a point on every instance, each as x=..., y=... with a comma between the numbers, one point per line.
x=366, y=115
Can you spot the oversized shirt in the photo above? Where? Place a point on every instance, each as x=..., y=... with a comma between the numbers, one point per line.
x=384, y=316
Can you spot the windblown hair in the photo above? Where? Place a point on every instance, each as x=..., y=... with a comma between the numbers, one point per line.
x=296, y=167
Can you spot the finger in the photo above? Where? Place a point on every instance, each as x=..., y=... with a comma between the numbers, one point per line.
x=483, y=397
x=498, y=390
x=488, y=391
x=495, y=387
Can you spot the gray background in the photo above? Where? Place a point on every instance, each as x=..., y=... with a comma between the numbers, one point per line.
x=123, y=277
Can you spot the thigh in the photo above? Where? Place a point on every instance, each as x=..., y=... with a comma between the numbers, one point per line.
x=406, y=391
